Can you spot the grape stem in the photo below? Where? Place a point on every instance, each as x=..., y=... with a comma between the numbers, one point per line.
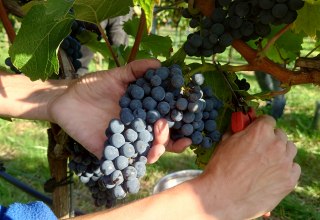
x=103, y=34
x=268, y=95
x=230, y=68
x=6, y=23
x=273, y=40
x=137, y=41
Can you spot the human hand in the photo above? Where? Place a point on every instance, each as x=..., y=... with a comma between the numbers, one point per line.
x=90, y=102
x=251, y=171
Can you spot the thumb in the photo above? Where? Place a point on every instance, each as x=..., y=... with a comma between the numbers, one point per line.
x=161, y=139
x=136, y=69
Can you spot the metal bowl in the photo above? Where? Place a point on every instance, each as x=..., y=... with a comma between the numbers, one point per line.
x=174, y=179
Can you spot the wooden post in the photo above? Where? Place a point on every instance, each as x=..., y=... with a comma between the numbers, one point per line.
x=58, y=158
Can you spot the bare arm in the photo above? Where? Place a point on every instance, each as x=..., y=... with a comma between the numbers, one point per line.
x=22, y=98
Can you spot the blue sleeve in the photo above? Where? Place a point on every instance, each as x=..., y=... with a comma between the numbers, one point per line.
x=30, y=211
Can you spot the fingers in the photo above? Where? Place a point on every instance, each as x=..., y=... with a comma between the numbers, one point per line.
x=161, y=132
x=136, y=69
x=155, y=152
x=163, y=143
x=278, y=132
x=263, y=120
x=291, y=150
x=158, y=149
x=296, y=172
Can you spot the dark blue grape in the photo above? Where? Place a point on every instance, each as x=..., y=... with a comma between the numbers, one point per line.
x=163, y=108
x=127, y=150
x=124, y=102
x=182, y=104
x=107, y=167
x=110, y=152
x=163, y=72
x=187, y=129
x=177, y=81
x=117, y=177
x=116, y=126
x=152, y=116
x=206, y=142
x=130, y=135
x=126, y=116
x=129, y=173
x=196, y=138
x=138, y=125
x=121, y=162
x=132, y=185
x=210, y=125
x=117, y=140
x=141, y=168
x=158, y=93
x=156, y=80
x=149, y=103
x=137, y=92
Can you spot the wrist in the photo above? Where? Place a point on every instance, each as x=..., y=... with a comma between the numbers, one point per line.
x=215, y=199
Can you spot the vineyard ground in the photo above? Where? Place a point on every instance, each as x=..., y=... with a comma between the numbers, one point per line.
x=23, y=146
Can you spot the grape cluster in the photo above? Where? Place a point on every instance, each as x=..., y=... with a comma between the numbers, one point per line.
x=242, y=84
x=190, y=110
x=87, y=167
x=237, y=19
x=72, y=48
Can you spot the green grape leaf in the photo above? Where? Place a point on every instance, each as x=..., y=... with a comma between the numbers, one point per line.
x=90, y=40
x=308, y=19
x=157, y=45
x=286, y=49
x=314, y=2
x=34, y=50
x=95, y=11
x=147, y=6
x=177, y=58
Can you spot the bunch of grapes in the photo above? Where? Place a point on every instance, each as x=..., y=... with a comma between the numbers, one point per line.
x=237, y=19
x=190, y=110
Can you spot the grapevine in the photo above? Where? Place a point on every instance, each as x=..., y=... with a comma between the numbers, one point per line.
x=193, y=98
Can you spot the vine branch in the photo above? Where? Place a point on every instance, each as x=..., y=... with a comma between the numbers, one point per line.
x=284, y=75
x=141, y=28
x=6, y=23
x=103, y=34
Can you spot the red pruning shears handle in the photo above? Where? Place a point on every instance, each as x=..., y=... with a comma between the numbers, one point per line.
x=240, y=120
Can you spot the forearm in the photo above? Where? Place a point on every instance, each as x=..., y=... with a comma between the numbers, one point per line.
x=22, y=98
x=182, y=202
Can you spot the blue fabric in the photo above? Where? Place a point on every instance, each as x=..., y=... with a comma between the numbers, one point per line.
x=31, y=211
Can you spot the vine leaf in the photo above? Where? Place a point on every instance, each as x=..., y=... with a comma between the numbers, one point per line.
x=157, y=45
x=34, y=49
x=308, y=19
x=90, y=40
x=147, y=6
x=95, y=11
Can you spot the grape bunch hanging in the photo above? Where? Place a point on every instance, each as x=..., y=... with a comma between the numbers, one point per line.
x=190, y=109
x=237, y=19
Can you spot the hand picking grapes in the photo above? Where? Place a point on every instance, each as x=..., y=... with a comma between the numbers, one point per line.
x=126, y=120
